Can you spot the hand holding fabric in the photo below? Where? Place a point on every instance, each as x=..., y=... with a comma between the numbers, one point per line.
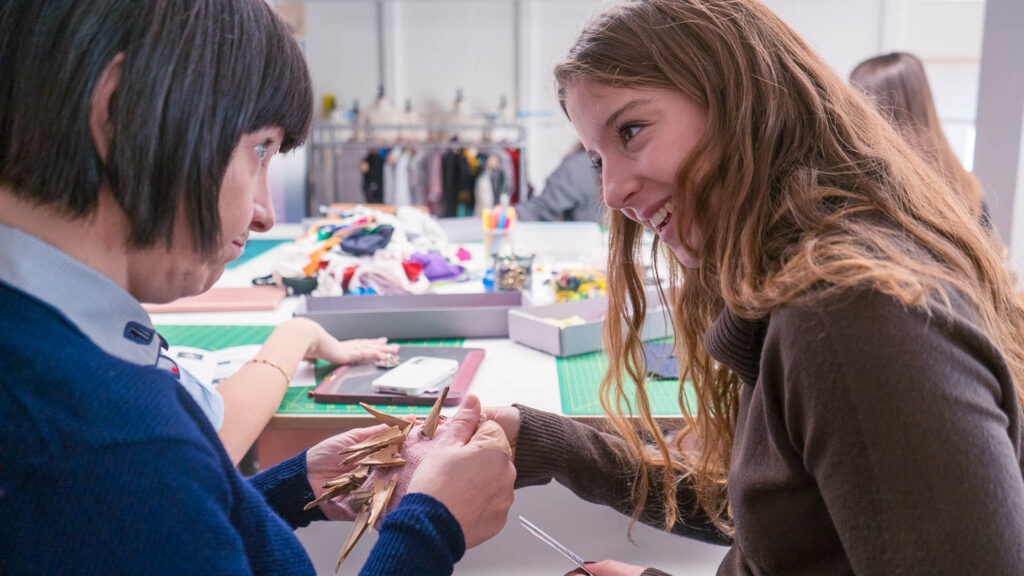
x=466, y=466
x=322, y=465
x=470, y=471
x=508, y=417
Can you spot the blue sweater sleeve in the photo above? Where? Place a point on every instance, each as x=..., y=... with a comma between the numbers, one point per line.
x=153, y=509
x=286, y=489
x=419, y=537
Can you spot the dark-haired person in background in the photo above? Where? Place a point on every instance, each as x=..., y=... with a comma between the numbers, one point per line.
x=134, y=143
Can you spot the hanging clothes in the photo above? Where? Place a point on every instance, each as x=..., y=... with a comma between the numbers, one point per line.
x=467, y=199
x=373, y=177
x=403, y=195
x=458, y=184
x=343, y=169
x=348, y=187
x=498, y=167
x=391, y=176
x=449, y=173
x=506, y=173
x=435, y=188
x=513, y=154
x=327, y=166
x=483, y=193
x=490, y=184
x=419, y=176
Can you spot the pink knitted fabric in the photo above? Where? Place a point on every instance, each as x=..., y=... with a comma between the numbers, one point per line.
x=415, y=448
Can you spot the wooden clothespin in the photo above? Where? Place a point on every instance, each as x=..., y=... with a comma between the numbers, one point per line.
x=382, y=450
x=430, y=424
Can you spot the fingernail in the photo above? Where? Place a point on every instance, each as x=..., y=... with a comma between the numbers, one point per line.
x=470, y=401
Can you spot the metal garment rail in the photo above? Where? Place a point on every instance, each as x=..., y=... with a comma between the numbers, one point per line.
x=325, y=137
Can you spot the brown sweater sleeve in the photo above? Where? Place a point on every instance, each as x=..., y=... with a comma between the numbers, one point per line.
x=909, y=426
x=598, y=468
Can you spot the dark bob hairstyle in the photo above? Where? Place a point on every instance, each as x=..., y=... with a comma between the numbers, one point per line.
x=197, y=75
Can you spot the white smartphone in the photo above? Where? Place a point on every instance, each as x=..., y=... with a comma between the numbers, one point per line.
x=415, y=376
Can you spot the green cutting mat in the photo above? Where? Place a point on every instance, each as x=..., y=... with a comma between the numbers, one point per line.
x=579, y=380
x=254, y=248
x=296, y=400
x=579, y=377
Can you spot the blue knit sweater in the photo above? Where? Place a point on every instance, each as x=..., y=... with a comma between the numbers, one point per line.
x=107, y=468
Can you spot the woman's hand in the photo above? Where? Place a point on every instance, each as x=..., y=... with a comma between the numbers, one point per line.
x=323, y=346
x=470, y=472
x=322, y=465
x=466, y=466
x=355, y=351
x=508, y=417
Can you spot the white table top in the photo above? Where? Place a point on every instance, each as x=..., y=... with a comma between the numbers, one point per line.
x=510, y=372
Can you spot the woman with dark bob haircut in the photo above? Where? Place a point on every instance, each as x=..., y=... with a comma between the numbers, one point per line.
x=852, y=337
x=134, y=142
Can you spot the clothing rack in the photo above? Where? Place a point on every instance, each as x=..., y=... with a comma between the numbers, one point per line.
x=328, y=141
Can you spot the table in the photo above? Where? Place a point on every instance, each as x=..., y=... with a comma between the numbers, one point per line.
x=510, y=373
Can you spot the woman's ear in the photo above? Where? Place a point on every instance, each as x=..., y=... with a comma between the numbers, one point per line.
x=99, y=106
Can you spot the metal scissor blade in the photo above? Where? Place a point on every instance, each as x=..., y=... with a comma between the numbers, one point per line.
x=533, y=529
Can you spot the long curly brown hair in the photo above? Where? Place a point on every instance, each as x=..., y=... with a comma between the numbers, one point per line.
x=814, y=193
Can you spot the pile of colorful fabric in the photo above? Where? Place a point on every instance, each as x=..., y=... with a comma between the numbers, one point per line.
x=366, y=251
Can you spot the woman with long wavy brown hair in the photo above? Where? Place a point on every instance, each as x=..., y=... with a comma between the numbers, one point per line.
x=850, y=332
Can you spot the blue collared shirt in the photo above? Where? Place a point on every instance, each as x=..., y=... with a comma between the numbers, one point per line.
x=108, y=315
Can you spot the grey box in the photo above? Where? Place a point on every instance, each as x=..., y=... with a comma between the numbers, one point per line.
x=526, y=326
x=412, y=316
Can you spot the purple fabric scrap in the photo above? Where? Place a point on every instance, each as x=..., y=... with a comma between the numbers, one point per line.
x=436, y=267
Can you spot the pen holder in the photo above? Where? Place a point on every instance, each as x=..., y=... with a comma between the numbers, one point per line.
x=495, y=241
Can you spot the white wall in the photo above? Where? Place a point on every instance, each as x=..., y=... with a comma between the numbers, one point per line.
x=844, y=32
x=453, y=44
x=491, y=48
x=1000, y=151
x=342, y=48
x=947, y=35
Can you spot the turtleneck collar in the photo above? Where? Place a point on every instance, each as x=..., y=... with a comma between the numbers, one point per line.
x=737, y=343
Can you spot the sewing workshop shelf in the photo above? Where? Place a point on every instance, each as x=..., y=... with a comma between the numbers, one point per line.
x=413, y=316
x=535, y=327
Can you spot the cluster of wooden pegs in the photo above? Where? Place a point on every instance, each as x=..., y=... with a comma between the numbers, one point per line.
x=382, y=450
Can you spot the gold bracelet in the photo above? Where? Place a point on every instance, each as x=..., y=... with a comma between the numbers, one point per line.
x=287, y=378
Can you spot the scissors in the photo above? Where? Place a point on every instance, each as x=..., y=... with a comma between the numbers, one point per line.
x=575, y=558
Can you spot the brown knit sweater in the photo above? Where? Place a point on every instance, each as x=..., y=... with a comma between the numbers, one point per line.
x=871, y=438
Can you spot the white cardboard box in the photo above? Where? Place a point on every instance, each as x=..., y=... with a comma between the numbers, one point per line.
x=526, y=326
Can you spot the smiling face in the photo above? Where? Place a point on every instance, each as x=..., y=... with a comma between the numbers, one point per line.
x=165, y=273
x=638, y=138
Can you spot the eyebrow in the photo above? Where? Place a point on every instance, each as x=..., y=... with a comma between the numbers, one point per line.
x=610, y=122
